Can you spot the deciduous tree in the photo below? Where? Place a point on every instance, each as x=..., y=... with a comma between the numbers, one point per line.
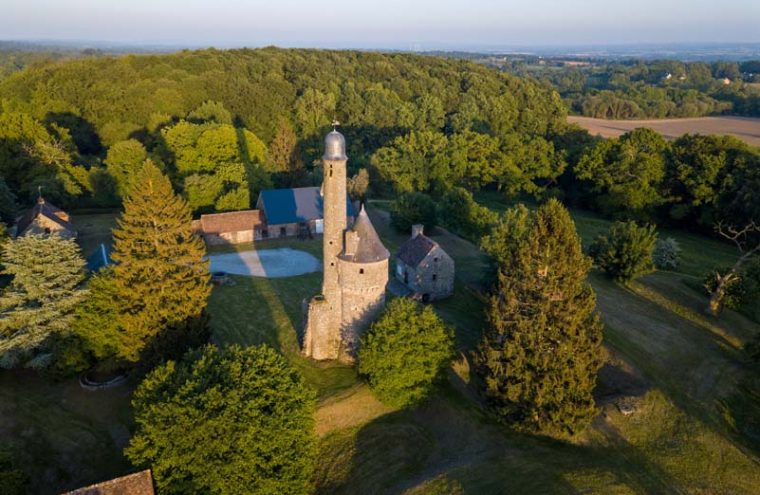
x=405, y=352
x=226, y=421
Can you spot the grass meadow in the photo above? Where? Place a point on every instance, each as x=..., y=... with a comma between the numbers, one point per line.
x=695, y=428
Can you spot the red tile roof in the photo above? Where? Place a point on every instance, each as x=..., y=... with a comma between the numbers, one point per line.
x=140, y=483
x=233, y=221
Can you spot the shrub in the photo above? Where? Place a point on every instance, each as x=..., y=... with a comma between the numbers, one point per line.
x=666, y=254
x=404, y=353
x=625, y=251
x=13, y=481
x=460, y=213
x=413, y=208
x=226, y=421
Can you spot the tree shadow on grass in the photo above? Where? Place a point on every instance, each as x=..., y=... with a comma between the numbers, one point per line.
x=447, y=447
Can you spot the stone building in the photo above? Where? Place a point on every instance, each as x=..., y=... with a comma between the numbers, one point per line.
x=45, y=218
x=424, y=267
x=279, y=213
x=232, y=227
x=297, y=211
x=355, y=268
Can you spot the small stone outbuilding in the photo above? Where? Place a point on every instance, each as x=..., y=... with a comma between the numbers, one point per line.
x=45, y=218
x=424, y=267
x=232, y=227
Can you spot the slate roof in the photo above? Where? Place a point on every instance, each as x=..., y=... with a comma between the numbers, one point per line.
x=370, y=248
x=47, y=210
x=140, y=483
x=413, y=251
x=231, y=221
x=295, y=205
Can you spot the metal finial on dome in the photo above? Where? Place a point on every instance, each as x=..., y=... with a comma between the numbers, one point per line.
x=335, y=145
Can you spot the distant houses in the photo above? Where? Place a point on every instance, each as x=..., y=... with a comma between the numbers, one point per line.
x=424, y=267
x=45, y=218
x=279, y=213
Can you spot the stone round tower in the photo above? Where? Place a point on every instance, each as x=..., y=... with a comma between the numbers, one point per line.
x=363, y=275
x=355, y=268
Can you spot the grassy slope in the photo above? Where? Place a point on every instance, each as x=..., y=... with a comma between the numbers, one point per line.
x=679, y=440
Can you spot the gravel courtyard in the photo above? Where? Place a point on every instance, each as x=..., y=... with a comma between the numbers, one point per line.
x=270, y=263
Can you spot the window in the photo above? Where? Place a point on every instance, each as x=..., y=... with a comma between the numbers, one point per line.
x=435, y=277
x=47, y=230
x=435, y=260
x=264, y=233
x=283, y=231
x=361, y=271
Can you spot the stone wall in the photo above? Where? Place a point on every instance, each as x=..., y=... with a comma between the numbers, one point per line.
x=432, y=278
x=363, y=287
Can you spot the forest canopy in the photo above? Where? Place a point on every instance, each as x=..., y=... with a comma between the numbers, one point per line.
x=209, y=116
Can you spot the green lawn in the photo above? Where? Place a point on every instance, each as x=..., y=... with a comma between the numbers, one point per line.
x=695, y=429
x=65, y=437
x=685, y=436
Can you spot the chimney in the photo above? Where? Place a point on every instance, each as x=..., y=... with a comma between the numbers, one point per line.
x=352, y=243
x=417, y=229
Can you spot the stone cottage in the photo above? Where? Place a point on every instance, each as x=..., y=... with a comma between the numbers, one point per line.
x=424, y=267
x=45, y=218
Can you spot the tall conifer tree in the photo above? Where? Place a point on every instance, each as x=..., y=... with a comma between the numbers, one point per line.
x=39, y=303
x=160, y=279
x=540, y=354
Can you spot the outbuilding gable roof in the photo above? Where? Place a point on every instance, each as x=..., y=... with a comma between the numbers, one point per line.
x=295, y=205
x=231, y=221
x=140, y=483
x=48, y=210
x=413, y=251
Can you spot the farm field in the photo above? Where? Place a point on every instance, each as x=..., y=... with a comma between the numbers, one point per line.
x=744, y=128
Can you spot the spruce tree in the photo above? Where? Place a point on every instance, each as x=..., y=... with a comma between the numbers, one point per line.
x=160, y=278
x=540, y=353
x=39, y=303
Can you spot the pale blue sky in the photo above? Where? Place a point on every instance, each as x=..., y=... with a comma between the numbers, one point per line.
x=421, y=24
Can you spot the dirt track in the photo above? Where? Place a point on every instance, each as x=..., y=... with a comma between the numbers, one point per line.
x=746, y=129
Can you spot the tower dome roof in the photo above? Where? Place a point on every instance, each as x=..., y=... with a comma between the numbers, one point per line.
x=370, y=248
x=335, y=146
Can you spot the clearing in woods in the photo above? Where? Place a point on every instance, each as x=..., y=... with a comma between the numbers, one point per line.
x=744, y=128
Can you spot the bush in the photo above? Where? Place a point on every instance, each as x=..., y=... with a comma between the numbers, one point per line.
x=625, y=251
x=666, y=254
x=13, y=481
x=404, y=353
x=413, y=208
x=460, y=213
x=226, y=421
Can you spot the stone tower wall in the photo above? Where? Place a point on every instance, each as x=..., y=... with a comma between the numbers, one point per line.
x=335, y=224
x=323, y=320
x=363, y=287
